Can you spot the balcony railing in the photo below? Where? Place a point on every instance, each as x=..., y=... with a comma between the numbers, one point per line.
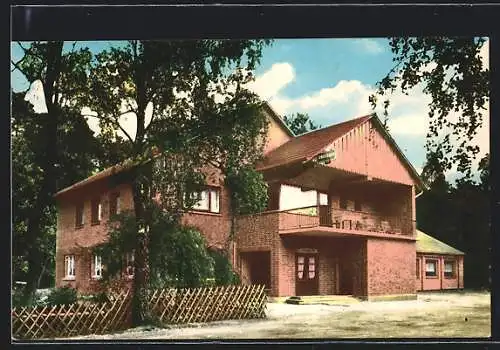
x=345, y=219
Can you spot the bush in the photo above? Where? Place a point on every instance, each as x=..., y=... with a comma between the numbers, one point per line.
x=62, y=296
x=223, y=270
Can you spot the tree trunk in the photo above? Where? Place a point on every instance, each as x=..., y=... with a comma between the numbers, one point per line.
x=48, y=186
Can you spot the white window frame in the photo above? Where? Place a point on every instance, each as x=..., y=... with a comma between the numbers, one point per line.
x=97, y=267
x=211, y=197
x=99, y=212
x=434, y=262
x=69, y=267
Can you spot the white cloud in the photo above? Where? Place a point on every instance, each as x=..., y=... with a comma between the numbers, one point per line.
x=340, y=93
x=36, y=97
x=411, y=124
x=369, y=46
x=272, y=81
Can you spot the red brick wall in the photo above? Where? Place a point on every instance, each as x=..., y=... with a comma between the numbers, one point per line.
x=259, y=233
x=215, y=227
x=441, y=282
x=73, y=241
x=70, y=240
x=330, y=251
x=391, y=266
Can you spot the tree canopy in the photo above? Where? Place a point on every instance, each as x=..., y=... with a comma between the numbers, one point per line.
x=455, y=76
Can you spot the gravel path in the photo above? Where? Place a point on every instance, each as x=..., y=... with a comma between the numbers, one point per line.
x=365, y=319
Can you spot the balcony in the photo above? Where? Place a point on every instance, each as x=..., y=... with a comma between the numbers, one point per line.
x=344, y=221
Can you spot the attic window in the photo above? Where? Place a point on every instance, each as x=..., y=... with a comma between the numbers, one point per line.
x=79, y=215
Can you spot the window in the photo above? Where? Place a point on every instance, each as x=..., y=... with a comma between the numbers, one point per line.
x=418, y=269
x=96, y=214
x=114, y=204
x=343, y=203
x=208, y=200
x=97, y=267
x=357, y=205
x=323, y=199
x=79, y=216
x=129, y=264
x=69, y=267
x=431, y=268
x=449, y=269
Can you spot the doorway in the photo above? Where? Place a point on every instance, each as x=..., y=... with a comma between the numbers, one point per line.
x=306, y=273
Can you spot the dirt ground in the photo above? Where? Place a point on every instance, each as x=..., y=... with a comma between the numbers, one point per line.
x=431, y=315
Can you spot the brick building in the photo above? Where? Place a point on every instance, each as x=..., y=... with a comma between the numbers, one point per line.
x=340, y=218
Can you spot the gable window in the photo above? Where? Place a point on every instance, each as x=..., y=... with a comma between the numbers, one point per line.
x=449, y=269
x=431, y=268
x=114, y=204
x=208, y=200
x=97, y=267
x=96, y=213
x=79, y=216
x=69, y=267
x=129, y=264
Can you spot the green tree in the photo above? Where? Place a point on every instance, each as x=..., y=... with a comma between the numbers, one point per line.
x=50, y=151
x=460, y=216
x=454, y=76
x=300, y=123
x=201, y=116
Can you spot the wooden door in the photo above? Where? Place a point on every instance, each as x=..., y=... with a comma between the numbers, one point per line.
x=306, y=274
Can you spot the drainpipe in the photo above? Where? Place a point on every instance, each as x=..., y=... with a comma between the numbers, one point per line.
x=418, y=195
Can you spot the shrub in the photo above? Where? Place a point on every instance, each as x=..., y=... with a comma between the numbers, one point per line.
x=223, y=271
x=62, y=296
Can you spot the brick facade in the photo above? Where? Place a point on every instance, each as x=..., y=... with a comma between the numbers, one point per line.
x=440, y=281
x=362, y=265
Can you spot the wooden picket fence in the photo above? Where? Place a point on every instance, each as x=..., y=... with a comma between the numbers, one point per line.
x=168, y=306
x=207, y=304
x=74, y=319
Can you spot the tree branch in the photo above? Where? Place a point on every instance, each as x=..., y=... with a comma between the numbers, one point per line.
x=114, y=121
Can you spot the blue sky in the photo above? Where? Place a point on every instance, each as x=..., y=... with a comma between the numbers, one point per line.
x=331, y=79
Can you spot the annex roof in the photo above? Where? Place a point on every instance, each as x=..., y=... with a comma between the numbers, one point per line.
x=431, y=245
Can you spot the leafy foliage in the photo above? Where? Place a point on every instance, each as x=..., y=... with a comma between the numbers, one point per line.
x=300, y=123
x=453, y=74
x=223, y=270
x=460, y=216
x=177, y=255
x=202, y=120
x=62, y=296
x=248, y=191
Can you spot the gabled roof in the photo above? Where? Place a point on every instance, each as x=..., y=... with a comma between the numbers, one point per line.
x=431, y=245
x=308, y=145
x=278, y=118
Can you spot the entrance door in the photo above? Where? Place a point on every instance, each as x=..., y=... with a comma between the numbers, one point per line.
x=306, y=273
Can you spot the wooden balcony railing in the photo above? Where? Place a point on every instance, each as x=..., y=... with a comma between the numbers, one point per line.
x=345, y=220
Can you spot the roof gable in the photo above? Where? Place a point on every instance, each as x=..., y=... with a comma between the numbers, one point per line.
x=431, y=245
x=308, y=145
x=339, y=137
